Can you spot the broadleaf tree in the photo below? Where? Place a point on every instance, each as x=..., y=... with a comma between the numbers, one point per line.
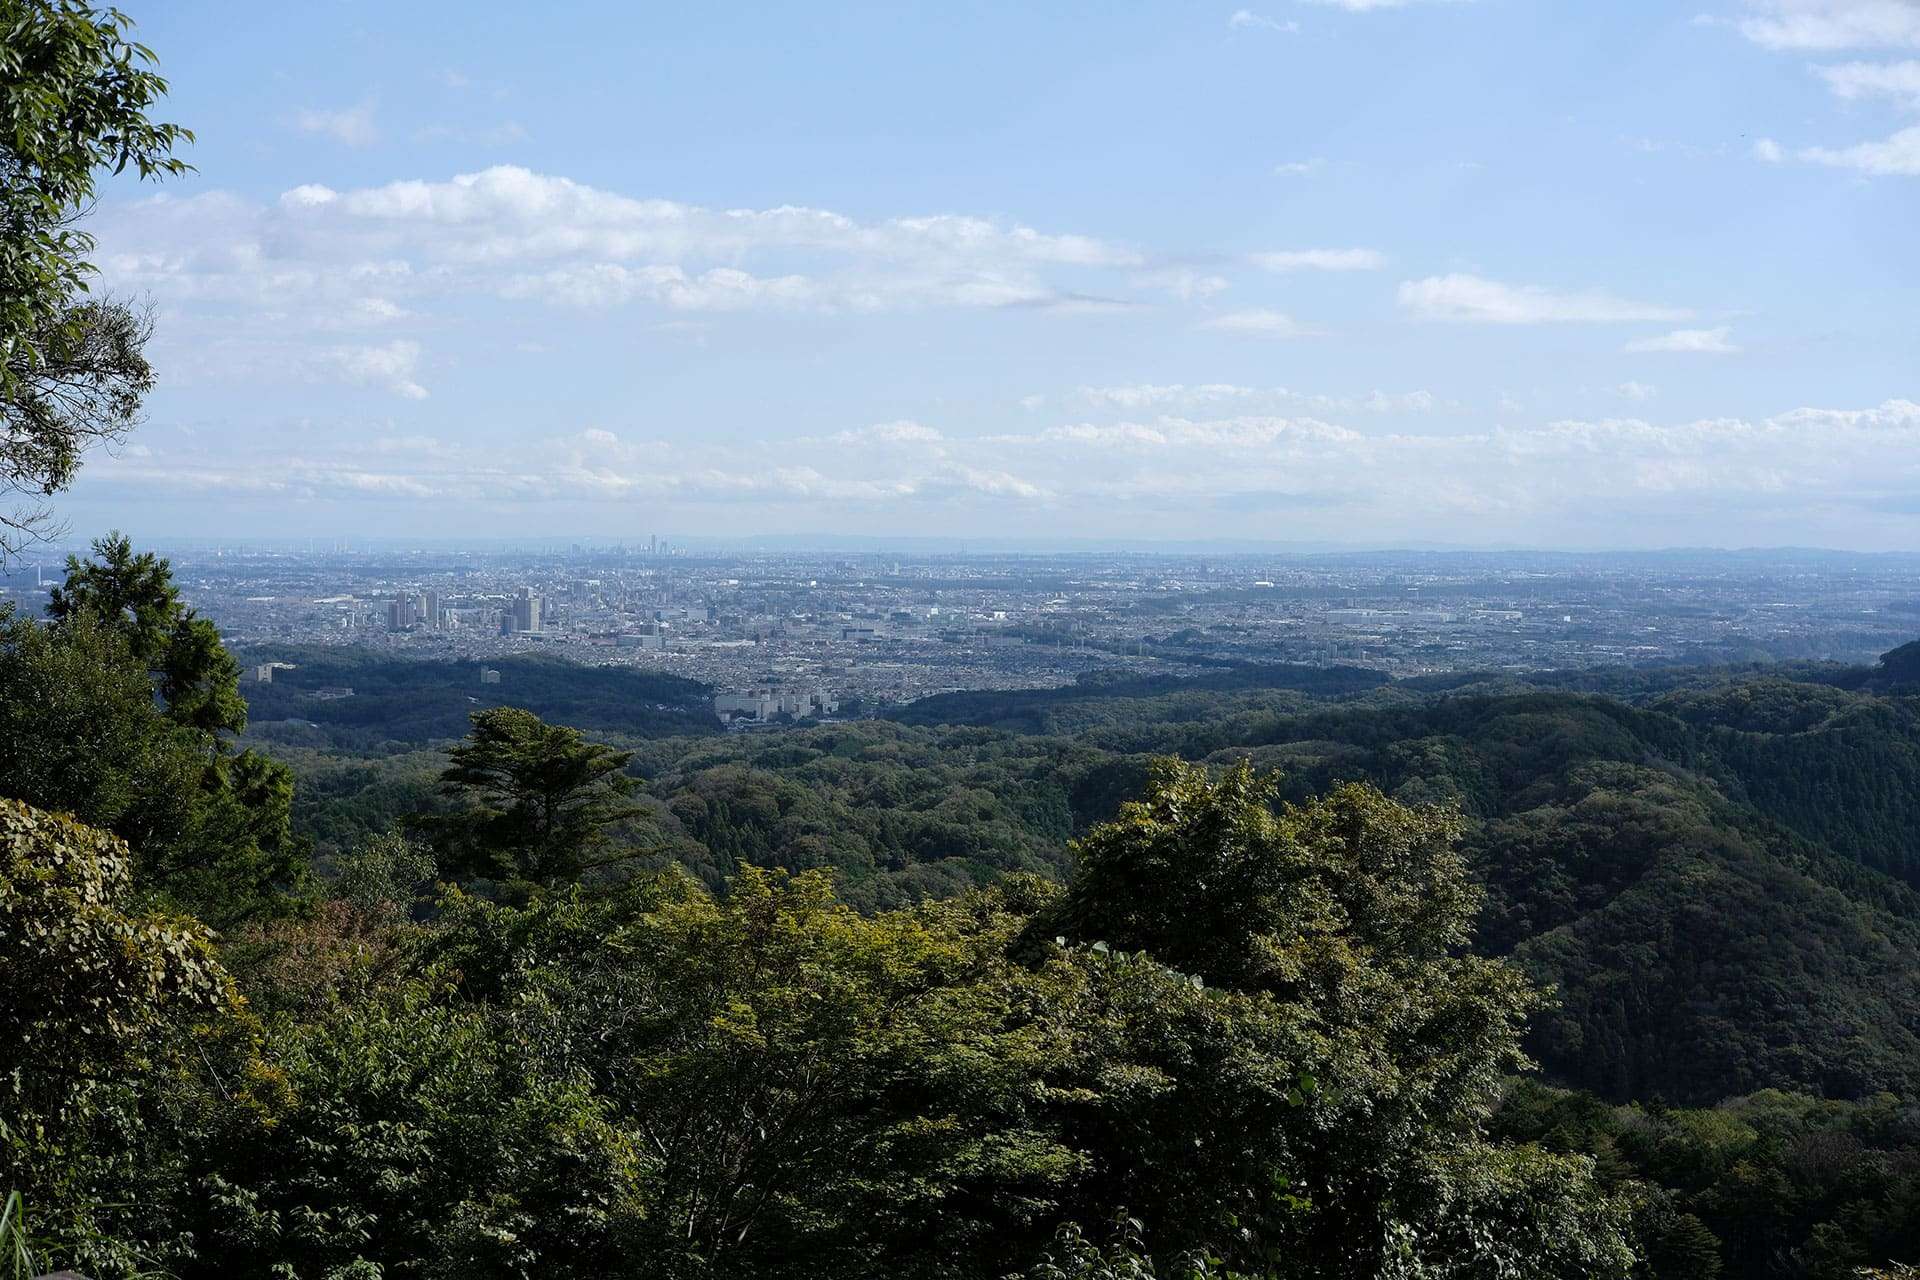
x=1352, y=914
x=76, y=97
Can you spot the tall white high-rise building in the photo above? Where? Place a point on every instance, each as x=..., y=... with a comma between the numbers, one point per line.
x=526, y=610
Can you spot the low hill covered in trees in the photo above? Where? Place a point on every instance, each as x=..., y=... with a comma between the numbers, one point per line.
x=1716, y=872
x=413, y=703
x=1094, y=694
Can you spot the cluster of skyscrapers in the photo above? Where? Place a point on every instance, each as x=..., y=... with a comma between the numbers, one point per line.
x=415, y=613
x=767, y=702
x=423, y=611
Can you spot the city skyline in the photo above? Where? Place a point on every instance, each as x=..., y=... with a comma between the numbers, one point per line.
x=891, y=629
x=1346, y=273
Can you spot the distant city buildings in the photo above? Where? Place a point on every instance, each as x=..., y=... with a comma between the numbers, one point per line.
x=654, y=640
x=417, y=611
x=766, y=703
x=523, y=614
x=883, y=629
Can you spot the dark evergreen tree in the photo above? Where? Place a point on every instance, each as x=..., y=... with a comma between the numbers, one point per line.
x=537, y=802
x=117, y=710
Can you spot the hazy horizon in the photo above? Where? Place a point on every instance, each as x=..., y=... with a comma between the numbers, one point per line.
x=949, y=546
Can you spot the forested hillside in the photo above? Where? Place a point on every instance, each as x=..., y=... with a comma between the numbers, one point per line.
x=1715, y=871
x=396, y=701
x=1086, y=700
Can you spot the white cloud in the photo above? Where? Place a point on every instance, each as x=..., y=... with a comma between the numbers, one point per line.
x=1788, y=469
x=1370, y=6
x=1855, y=80
x=431, y=446
x=267, y=355
x=511, y=213
x=1373, y=6
x=378, y=310
x=610, y=284
x=1830, y=25
x=1244, y=433
x=361, y=287
x=902, y=432
x=1636, y=391
x=366, y=313
x=1827, y=26
x=353, y=126
x=1389, y=402
x=1714, y=342
x=991, y=482
x=1149, y=396
x=1320, y=260
x=1183, y=283
x=1299, y=168
x=1258, y=322
x=1247, y=19
x=513, y=233
x=389, y=367
x=1890, y=415
x=250, y=286
x=1467, y=298
x=1898, y=156
x=1146, y=395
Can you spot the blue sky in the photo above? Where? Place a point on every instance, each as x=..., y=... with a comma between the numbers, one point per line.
x=1460, y=271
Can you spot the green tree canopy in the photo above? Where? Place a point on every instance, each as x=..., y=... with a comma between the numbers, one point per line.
x=134, y=594
x=1350, y=913
x=75, y=96
x=769, y=1085
x=97, y=992
x=539, y=800
x=115, y=710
